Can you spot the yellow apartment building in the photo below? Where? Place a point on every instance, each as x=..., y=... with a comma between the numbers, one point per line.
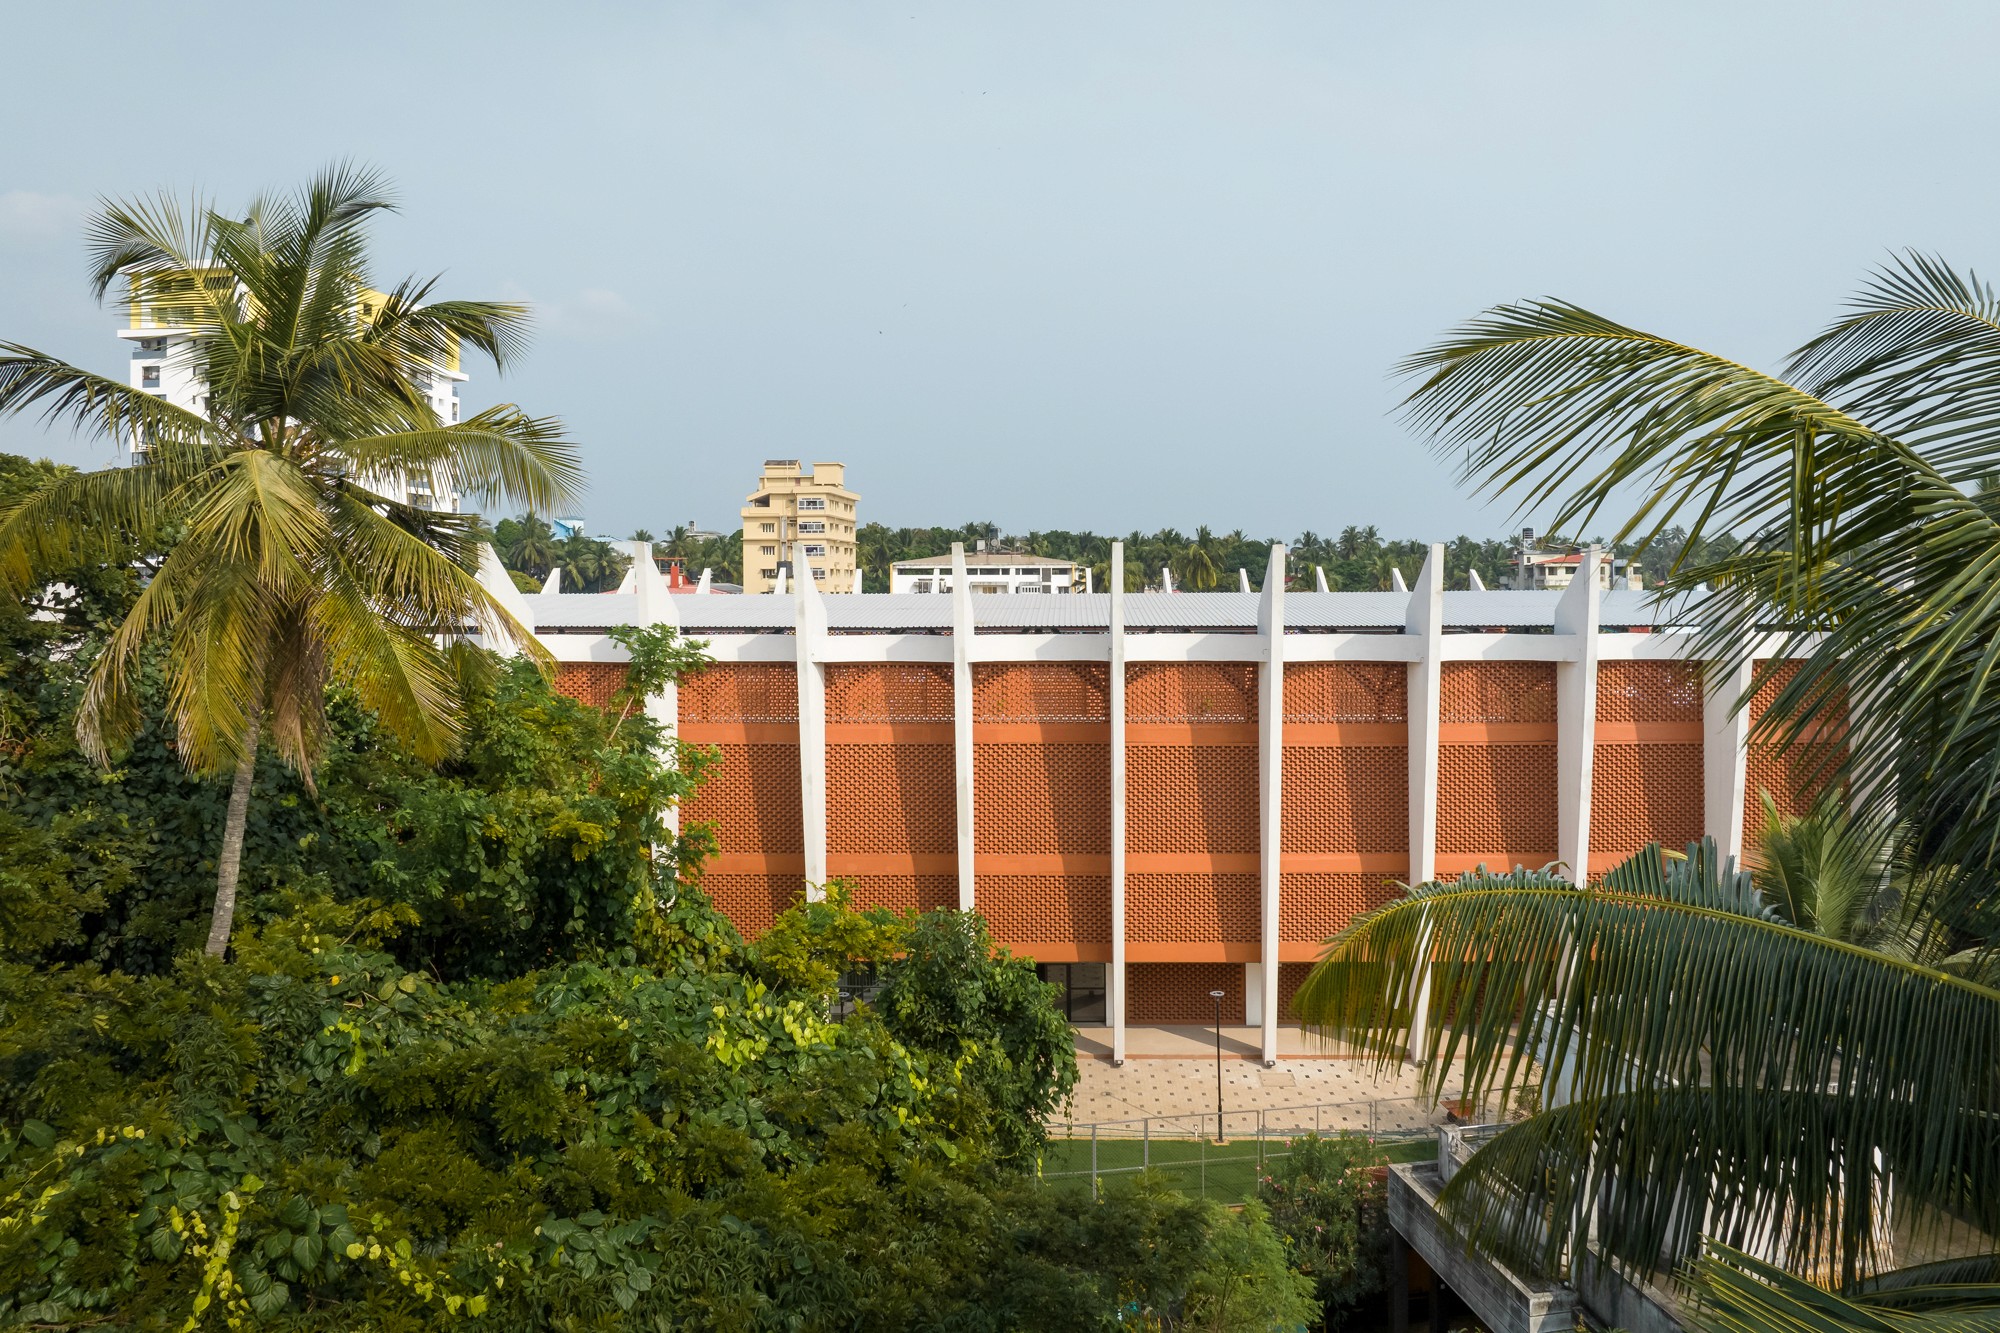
x=791, y=505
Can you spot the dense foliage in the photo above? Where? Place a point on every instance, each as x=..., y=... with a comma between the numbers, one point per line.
x=1328, y=1199
x=484, y=1052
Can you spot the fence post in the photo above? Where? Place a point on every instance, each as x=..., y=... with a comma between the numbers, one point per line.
x=1093, y=1160
x=1146, y=1143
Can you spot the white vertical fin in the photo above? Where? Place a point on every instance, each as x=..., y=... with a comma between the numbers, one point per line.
x=1319, y=579
x=1243, y=580
x=1424, y=618
x=499, y=584
x=1474, y=582
x=1270, y=793
x=809, y=630
x=1396, y=583
x=703, y=585
x=1576, y=619
x=1115, y=979
x=961, y=721
x=553, y=583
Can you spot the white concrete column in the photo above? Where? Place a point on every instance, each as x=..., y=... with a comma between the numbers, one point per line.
x=1725, y=753
x=1424, y=619
x=656, y=607
x=1576, y=619
x=1114, y=976
x=809, y=630
x=1254, y=1008
x=498, y=584
x=961, y=720
x=1270, y=796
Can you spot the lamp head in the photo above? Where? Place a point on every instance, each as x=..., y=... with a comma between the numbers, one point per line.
x=1215, y=995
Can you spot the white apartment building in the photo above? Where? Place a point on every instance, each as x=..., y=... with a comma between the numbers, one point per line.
x=163, y=364
x=1539, y=569
x=986, y=572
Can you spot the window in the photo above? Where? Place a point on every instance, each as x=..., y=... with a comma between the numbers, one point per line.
x=454, y=409
x=767, y=550
x=768, y=573
x=149, y=377
x=819, y=572
x=812, y=502
x=815, y=548
x=1080, y=990
x=767, y=527
x=812, y=526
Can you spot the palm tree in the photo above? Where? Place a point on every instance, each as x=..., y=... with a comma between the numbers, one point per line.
x=286, y=569
x=1753, y=1104
x=1195, y=566
x=1867, y=553
x=532, y=549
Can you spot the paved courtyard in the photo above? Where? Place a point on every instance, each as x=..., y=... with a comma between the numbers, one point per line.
x=1171, y=1072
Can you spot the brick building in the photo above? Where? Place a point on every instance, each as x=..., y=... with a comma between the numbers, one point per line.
x=1155, y=795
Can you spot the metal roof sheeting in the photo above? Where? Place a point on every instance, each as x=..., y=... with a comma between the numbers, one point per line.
x=892, y=613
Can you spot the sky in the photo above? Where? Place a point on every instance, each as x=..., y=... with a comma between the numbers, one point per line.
x=1108, y=266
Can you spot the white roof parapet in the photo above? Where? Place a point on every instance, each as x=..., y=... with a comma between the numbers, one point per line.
x=499, y=584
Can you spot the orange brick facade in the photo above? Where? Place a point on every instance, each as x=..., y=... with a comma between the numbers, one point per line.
x=1041, y=736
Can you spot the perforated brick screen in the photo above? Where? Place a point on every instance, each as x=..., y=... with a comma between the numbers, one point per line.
x=1048, y=799
x=1497, y=786
x=1346, y=798
x=748, y=713
x=1191, y=692
x=914, y=893
x=1191, y=799
x=1196, y=907
x=1347, y=692
x=752, y=798
x=1314, y=905
x=590, y=683
x=890, y=799
x=888, y=692
x=1291, y=976
x=1641, y=794
x=1649, y=692
x=1793, y=775
x=1041, y=692
x=1497, y=692
x=752, y=902
x=741, y=692
x=1178, y=992
x=1047, y=909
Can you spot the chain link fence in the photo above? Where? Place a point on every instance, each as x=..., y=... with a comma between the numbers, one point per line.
x=1225, y=1166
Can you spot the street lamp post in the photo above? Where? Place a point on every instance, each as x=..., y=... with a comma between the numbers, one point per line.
x=1216, y=995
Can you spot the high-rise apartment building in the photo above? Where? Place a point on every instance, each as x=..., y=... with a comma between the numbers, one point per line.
x=813, y=508
x=163, y=364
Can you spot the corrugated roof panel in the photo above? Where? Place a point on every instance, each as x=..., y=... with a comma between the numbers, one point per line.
x=1502, y=608
x=1042, y=610
x=885, y=612
x=1345, y=610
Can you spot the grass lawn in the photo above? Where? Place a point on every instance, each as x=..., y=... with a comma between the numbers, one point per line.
x=1224, y=1172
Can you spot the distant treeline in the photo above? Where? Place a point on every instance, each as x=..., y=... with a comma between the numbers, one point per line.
x=1358, y=560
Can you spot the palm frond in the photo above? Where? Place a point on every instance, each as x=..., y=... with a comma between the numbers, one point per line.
x=1738, y=1293
x=1630, y=994
x=92, y=403
x=498, y=454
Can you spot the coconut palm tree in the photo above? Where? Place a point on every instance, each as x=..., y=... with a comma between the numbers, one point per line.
x=287, y=567
x=1867, y=552
x=1711, y=1069
x=1196, y=566
x=532, y=548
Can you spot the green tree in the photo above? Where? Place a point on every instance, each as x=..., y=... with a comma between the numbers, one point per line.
x=284, y=569
x=1850, y=482
x=1330, y=1207
x=1711, y=1069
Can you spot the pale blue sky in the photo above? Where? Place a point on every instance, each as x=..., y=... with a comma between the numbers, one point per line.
x=1049, y=264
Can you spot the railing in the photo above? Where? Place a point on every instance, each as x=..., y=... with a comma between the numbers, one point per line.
x=1185, y=1149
